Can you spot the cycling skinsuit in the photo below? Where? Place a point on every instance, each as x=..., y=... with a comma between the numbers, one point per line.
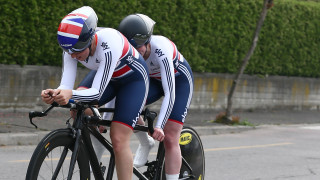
x=120, y=71
x=171, y=77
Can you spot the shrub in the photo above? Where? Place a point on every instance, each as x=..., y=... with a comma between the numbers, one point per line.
x=213, y=35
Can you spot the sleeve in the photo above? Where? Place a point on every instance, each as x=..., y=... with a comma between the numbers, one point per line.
x=109, y=60
x=69, y=71
x=168, y=85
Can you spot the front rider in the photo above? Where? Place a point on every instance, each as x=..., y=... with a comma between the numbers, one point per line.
x=121, y=72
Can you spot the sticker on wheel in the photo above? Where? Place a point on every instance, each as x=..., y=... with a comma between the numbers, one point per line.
x=185, y=138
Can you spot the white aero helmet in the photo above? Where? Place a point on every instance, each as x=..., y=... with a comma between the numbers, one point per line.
x=76, y=29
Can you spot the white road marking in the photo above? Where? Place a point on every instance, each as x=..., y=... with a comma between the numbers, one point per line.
x=311, y=127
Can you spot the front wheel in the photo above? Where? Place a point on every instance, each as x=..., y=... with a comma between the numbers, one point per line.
x=192, y=152
x=51, y=158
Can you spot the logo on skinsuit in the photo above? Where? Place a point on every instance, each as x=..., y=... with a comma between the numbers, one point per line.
x=105, y=46
x=185, y=138
x=159, y=52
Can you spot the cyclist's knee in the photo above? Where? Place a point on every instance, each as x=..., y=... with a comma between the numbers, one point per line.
x=117, y=145
x=172, y=131
x=120, y=136
x=171, y=142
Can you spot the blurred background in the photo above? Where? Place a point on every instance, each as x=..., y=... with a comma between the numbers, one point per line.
x=213, y=35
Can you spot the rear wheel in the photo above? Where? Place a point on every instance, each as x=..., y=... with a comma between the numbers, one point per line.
x=193, y=162
x=51, y=158
x=193, y=154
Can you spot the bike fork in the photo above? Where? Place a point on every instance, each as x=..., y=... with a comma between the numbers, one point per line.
x=74, y=154
x=61, y=160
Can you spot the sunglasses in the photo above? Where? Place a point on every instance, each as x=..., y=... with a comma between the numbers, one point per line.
x=73, y=50
x=79, y=46
x=139, y=40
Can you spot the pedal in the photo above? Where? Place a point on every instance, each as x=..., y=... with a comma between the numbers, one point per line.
x=104, y=131
x=186, y=176
x=103, y=169
x=151, y=169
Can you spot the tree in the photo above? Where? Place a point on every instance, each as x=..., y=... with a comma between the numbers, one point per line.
x=266, y=5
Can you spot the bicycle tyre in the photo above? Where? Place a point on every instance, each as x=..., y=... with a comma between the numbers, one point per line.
x=52, y=145
x=192, y=151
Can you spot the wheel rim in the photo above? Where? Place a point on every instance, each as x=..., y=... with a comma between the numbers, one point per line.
x=50, y=162
x=192, y=151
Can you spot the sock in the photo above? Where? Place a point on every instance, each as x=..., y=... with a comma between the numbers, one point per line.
x=142, y=137
x=172, y=176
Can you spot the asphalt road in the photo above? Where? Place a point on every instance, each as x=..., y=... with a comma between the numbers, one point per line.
x=271, y=152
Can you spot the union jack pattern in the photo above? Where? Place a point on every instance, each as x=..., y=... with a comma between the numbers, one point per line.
x=70, y=27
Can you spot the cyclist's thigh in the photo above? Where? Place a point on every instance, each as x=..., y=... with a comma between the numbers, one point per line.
x=108, y=94
x=155, y=91
x=87, y=80
x=131, y=97
x=184, y=89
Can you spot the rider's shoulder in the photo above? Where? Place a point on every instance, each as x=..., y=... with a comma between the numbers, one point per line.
x=162, y=43
x=109, y=37
x=105, y=31
x=159, y=40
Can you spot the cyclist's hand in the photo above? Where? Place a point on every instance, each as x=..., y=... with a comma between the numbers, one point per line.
x=101, y=129
x=73, y=113
x=158, y=134
x=46, y=96
x=62, y=96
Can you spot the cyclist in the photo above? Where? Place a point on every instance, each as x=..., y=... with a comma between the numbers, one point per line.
x=121, y=72
x=171, y=77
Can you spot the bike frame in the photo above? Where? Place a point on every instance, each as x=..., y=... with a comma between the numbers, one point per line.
x=81, y=129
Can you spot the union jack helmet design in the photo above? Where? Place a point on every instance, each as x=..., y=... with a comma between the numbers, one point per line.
x=76, y=30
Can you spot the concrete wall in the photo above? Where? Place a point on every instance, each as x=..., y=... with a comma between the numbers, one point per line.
x=211, y=91
x=21, y=86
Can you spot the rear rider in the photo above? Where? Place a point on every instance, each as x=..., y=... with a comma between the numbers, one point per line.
x=120, y=71
x=171, y=77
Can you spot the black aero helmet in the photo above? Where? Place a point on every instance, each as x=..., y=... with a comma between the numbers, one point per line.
x=137, y=28
x=76, y=30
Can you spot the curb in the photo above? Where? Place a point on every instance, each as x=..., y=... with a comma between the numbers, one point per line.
x=14, y=139
x=214, y=130
x=33, y=138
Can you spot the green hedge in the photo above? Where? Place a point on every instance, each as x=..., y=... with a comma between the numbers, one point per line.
x=214, y=35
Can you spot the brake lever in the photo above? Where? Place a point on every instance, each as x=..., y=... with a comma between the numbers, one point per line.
x=33, y=114
x=150, y=116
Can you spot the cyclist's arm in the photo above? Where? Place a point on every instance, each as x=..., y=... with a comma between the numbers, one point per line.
x=109, y=59
x=168, y=85
x=69, y=71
